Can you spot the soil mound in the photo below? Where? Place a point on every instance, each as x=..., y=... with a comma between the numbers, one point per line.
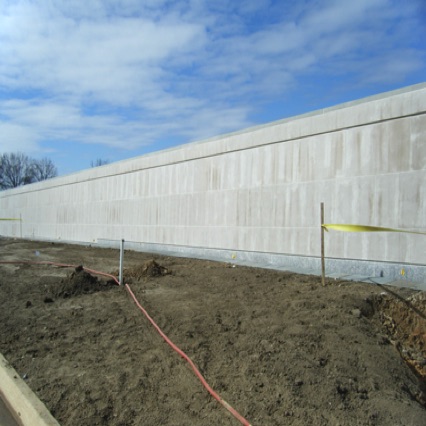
x=405, y=322
x=150, y=268
x=80, y=282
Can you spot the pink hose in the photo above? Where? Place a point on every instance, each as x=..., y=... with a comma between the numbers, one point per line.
x=169, y=342
x=190, y=362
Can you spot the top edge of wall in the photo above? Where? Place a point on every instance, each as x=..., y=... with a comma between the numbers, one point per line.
x=318, y=112
x=181, y=152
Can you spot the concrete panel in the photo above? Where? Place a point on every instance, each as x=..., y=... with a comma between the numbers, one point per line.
x=354, y=200
x=412, y=200
x=386, y=201
x=418, y=143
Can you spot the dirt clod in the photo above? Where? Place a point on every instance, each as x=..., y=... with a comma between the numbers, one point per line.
x=79, y=282
x=151, y=269
x=405, y=323
x=148, y=269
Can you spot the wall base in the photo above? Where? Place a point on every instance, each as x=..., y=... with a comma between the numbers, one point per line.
x=399, y=274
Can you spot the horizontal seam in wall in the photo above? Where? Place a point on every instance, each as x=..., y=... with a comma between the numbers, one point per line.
x=260, y=187
x=172, y=163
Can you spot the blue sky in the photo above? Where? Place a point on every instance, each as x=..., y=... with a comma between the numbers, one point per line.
x=115, y=79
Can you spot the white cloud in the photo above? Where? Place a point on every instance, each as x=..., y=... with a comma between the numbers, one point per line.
x=253, y=6
x=335, y=15
x=113, y=60
x=126, y=73
x=279, y=39
x=390, y=69
x=16, y=138
x=62, y=123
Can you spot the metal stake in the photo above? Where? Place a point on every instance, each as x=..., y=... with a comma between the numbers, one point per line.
x=120, y=278
x=322, y=246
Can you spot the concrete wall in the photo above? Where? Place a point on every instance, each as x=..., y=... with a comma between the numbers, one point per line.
x=255, y=191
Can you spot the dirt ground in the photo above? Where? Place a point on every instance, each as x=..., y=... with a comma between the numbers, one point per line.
x=278, y=347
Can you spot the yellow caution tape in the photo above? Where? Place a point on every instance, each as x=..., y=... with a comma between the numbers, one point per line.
x=365, y=228
x=6, y=218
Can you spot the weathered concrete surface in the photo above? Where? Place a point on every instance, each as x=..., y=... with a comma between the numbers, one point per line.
x=257, y=191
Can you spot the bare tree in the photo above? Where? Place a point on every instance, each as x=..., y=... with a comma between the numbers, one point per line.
x=15, y=170
x=18, y=169
x=98, y=162
x=44, y=169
